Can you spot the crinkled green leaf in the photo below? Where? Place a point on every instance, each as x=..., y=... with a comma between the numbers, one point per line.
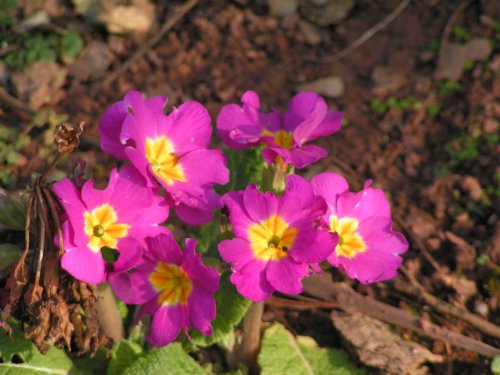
x=12, y=215
x=9, y=254
x=28, y=360
x=123, y=355
x=231, y=308
x=495, y=365
x=169, y=360
x=283, y=353
x=245, y=167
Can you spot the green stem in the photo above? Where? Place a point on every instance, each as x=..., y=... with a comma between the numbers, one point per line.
x=250, y=343
x=109, y=315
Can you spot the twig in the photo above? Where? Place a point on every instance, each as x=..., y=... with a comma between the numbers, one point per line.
x=352, y=301
x=9, y=49
x=55, y=216
x=367, y=34
x=443, y=307
x=14, y=102
x=445, y=38
x=300, y=305
x=420, y=244
x=170, y=22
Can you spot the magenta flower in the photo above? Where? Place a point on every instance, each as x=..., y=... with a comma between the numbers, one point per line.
x=171, y=150
x=368, y=248
x=119, y=217
x=175, y=288
x=276, y=239
x=285, y=135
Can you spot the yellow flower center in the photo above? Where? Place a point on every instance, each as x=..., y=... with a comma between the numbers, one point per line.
x=271, y=238
x=102, y=228
x=282, y=138
x=159, y=153
x=172, y=282
x=350, y=242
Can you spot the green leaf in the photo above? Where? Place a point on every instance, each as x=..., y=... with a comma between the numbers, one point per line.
x=245, y=167
x=109, y=254
x=123, y=355
x=21, y=357
x=12, y=214
x=495, y=365
x=282, y=353
x=169, y=360
x=9, y=254
x=231, y=308
x=71, y=45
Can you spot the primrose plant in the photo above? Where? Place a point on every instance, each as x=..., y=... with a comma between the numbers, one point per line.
x=280, y=228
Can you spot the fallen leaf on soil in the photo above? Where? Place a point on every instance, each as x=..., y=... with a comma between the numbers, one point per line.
x=92, y=62
x=387, y=80
x=282, y=8
x=137, y=17
x=310, y=33
x=453, y=57
x=473, y=187
x=422, y=223
x=40, y=83
x=331, y=87
x=377, y=346
x=466, y=253
x=326, y=12
x=464, y=287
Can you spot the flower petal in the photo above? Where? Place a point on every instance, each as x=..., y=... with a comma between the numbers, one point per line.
x=285, y=275
x=130, y=254
x=313, y=246
x=132, y=288
x=251, y=281
x=233, y=122
x=165, y=326
x=84, y=265
x=203, y=277
x=367, y=203
x=260, y=206
x=202, y=309
x=70, y=198
x=165, y=249
x=302, y=157
x=329, y=185
x=238, y=215
x=236, y=251
x=191, y=128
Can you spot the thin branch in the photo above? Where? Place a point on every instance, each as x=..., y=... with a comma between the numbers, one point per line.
x=367, y=34
x=443, y=307
x=15, y=103
x=170, y=22
x=352, y=301
x=55, y=215
x=43, y=218
x=445, y=38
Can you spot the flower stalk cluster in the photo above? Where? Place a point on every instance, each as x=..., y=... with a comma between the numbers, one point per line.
x=282, y=229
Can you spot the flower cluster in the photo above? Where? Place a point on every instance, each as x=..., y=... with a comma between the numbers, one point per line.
x=118, y=234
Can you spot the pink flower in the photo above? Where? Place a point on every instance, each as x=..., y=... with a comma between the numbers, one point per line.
x=119, y=217
x=368, y=248
x=175, y=288
x=285, y=135
x=171, y=150
x=276, y=239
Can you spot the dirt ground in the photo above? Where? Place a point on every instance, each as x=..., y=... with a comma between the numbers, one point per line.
x=425, y=130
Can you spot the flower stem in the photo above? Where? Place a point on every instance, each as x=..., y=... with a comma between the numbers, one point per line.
x=250, y=343
x=109, y=316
